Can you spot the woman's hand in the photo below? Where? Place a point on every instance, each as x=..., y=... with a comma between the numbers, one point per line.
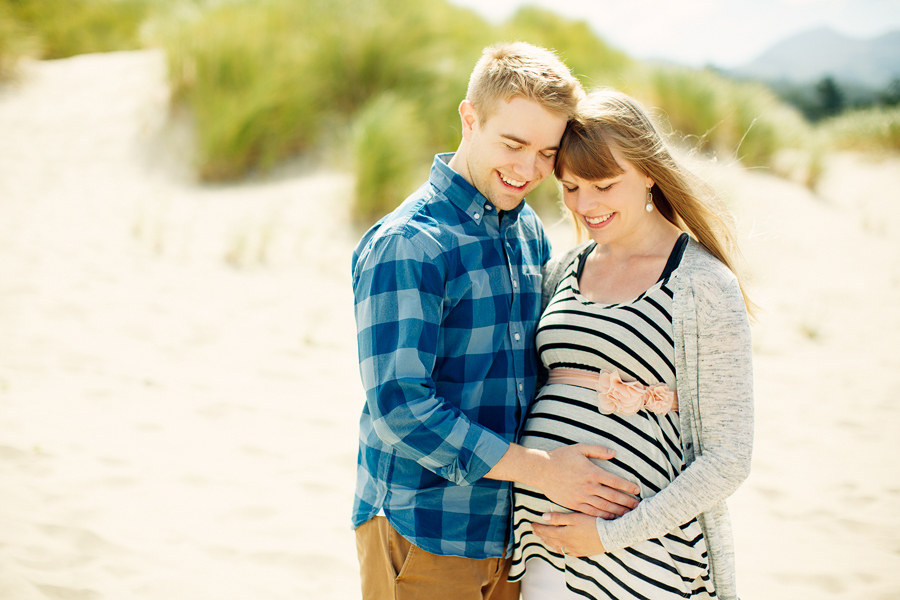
x=570, y=533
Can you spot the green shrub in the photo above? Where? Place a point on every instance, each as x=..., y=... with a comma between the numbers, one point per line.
x=63, y=28
x=589, y=57
x=389, y=145
x=266, y=79
x=14, y=41
x=688, y=100
x=248, y=85
x=874, y=129
x=740, y=121
x=757, y=125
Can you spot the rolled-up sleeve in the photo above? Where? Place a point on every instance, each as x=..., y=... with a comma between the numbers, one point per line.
x=399, y=289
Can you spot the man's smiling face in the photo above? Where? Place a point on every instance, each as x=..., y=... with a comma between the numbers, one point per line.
x=509, y=155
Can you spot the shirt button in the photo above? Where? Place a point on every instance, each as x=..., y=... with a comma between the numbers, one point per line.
x=488, y=207
x=521, y=387
x=476, y=215
x=517, y=337
x=515, y=283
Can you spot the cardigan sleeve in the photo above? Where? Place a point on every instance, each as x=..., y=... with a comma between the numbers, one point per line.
x=719, y=381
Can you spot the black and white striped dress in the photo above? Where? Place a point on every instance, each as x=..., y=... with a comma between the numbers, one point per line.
x=635, y=338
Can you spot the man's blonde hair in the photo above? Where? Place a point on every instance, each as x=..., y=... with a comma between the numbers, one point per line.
x=518, y=69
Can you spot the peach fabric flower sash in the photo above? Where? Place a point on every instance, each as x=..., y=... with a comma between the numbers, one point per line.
x=616, y=395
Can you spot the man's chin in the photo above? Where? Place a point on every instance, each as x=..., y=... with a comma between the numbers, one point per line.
x=512, y=200
x=507, y=203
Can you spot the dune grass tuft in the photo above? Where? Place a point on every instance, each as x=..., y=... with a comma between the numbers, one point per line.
x=15, y=41
x=874, y=129
x=737, y=121
x=266, y=79
x=63, y=28
x=389, y=142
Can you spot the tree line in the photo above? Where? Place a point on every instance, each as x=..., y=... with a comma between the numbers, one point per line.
x=829, y=97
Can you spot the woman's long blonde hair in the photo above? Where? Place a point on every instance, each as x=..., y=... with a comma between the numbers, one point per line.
x=608, y=118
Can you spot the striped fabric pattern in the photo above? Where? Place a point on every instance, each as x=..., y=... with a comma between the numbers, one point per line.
x=635, y=338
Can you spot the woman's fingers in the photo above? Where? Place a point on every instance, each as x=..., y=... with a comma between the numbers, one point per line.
x=575, y=532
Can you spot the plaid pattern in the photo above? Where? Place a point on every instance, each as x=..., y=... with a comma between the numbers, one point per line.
x=447, y=300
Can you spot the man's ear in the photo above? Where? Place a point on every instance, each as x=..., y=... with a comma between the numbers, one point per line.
x=469, y=118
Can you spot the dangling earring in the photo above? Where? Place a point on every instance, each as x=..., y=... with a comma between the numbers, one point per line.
x=649, y=206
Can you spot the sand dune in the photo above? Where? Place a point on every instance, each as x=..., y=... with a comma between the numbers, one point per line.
x=178, y=381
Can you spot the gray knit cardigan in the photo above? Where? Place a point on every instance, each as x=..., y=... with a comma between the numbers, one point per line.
x=713, y=368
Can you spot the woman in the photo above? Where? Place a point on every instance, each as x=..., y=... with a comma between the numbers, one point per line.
x=645, y=336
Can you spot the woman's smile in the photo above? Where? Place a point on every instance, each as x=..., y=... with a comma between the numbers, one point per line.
x=598, y=221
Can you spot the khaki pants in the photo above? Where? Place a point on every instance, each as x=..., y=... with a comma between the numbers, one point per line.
x=391, y=568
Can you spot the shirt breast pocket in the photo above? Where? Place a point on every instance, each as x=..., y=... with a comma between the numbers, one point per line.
x=531, y=296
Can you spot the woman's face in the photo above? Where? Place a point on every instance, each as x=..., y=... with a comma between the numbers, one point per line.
x=612, y=210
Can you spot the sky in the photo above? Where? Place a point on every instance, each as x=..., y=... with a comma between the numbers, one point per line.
x=724, y=33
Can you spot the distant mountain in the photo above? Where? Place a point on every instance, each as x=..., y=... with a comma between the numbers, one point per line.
x=809, y=56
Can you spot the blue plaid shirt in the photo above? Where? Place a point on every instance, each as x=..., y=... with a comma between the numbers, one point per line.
x=447, y=300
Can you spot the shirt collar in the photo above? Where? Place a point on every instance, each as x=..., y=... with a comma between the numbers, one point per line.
x=463, y=194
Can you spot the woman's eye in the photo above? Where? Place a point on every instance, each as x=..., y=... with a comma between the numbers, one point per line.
x=568, y=189
x=603, y=189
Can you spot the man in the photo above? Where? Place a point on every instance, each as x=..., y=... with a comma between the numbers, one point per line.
x=447, y=290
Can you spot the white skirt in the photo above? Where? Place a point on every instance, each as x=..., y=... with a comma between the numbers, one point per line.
x=544, y=582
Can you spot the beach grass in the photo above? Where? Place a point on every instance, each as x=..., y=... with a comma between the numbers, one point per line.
x=389, y=141
x=249, y=87
x=873, y=129
x=735, y=121
x=591, y=59
x=63, y=28
x=14, y=42
x=267, y=79
x=378, y=83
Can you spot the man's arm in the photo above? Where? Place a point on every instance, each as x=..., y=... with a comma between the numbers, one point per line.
x=567, y=476
x=399, y=292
